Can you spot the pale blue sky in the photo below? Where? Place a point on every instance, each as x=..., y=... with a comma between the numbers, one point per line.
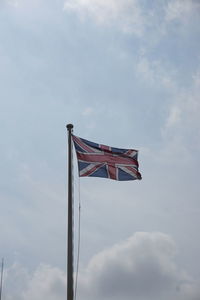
x=126, y=74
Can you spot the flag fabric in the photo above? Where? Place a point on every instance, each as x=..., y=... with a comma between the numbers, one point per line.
x=97, y=160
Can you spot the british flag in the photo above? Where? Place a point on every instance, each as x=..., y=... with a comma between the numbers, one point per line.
x=97, y=160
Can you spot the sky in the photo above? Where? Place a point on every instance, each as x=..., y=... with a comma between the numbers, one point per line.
x=125, y=73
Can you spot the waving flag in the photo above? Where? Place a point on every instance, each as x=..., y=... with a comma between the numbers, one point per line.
x=97, y=160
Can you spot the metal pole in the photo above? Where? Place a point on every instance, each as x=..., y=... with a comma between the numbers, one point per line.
x=1, y=285
x=70, y=284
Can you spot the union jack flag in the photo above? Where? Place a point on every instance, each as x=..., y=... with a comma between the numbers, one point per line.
x=97, y=160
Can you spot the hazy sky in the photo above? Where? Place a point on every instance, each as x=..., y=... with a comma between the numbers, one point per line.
x=126, y=73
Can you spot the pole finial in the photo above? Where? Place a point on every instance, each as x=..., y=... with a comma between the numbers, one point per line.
x=69, y=127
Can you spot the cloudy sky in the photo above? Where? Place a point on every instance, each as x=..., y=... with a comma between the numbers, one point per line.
x=126, y=73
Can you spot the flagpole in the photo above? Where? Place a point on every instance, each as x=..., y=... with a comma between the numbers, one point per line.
x=70, y=283
x=1, y=285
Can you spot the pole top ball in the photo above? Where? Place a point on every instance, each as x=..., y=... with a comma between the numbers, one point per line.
x=69, y=126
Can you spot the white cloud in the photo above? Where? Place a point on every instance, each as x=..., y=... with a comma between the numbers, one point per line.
x=87, y=111
x=29, y=7
x=126, y=15
x=184, y=113
x=181, y=9
x=141, y=267
x=155, y=73
x=14, y=3
x=132, y=16
x=45, y=283
x=16, y=279
x=181, y=107
x=174, y=116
